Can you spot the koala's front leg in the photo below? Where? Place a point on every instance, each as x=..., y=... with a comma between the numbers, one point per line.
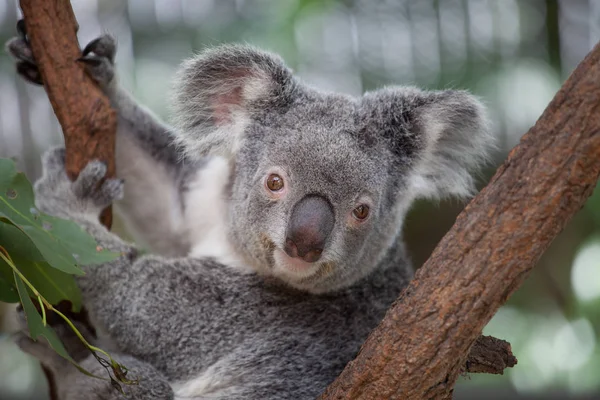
x=107, y=288
x=146, y=155
x=81, y=200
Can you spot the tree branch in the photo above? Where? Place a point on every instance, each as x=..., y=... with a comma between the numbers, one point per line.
x=489, y=356
x=88, y=122
x=419, y=349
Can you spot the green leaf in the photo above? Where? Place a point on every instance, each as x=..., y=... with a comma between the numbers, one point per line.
x=35, y=323
x=8, y=290
x=37, y=327
x=54, y=285
x=78, y=243
x=61, y=243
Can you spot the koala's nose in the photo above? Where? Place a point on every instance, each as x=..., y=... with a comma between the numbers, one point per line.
x=309, y=228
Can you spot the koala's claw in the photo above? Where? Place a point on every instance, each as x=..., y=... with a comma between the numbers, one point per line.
x=91, y=61
x=53, y=169
x=99, y=68
x=89, y=178
x=111, y=190
x=103, y=46
x=89, y=194
x=86, y=185
x=99, y=58
x=19, y=48
x=53, y=163
x=29, y=72
x=54, y=158
x=22, y=29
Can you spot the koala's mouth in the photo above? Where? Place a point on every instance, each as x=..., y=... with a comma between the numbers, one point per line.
x=292, y=265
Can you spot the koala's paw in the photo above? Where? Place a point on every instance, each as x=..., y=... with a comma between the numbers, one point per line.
x=18, y=47
x=87, y=196
x=99, y=58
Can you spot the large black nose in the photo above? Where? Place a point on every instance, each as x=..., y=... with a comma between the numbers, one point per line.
x=309, y=227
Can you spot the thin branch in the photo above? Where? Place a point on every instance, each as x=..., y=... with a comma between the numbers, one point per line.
x=88, y=122
x=489, y=356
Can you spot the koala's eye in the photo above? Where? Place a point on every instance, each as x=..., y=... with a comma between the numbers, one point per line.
x=274, y=183
x=361, y=212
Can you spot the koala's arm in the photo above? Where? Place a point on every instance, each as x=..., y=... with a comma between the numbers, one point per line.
x=147, y=158
x=152, y=205
x=106, y=287
x=80, y=202
x=120, y=293
x=146, y=155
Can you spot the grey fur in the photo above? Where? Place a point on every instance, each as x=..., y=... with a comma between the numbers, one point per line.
x=264, y=332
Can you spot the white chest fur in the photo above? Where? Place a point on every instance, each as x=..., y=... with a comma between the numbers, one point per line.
x=205, y=214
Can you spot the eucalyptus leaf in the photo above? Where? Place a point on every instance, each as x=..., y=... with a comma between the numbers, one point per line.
x=8, y=290
x=37, y=327
x=36, y=324
x=63, y=244
x=54, y=285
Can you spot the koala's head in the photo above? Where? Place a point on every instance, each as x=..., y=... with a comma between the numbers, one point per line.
x=320, y=182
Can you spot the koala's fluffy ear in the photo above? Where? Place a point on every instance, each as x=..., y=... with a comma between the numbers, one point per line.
x=218, y=92
x=438, y=138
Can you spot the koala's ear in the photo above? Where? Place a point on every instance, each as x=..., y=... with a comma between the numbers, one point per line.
x=438, y=138
x=218, y=92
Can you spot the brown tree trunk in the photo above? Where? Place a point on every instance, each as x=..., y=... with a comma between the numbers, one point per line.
x=419, y=349
x=88, y=122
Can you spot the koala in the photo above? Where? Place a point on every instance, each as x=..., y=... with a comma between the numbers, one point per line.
x=274, y=212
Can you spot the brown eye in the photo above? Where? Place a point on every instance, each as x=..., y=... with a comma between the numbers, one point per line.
x=274, y=183
x=361, y=212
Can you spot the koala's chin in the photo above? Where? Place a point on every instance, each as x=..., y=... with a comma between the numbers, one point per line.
x=293, y=267
x=299, y=273
x=291, y=271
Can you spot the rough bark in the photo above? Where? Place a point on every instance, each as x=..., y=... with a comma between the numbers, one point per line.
x=419, y=349
x=489, y=355
x=88, y=122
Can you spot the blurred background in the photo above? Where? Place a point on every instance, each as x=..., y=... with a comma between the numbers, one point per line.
x=514, y=54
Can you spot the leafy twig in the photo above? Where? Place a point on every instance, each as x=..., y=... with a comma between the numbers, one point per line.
x=119, y=371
